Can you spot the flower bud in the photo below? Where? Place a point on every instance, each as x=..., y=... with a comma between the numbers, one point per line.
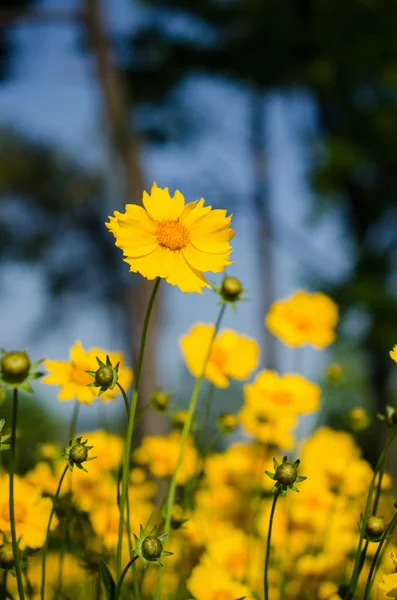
x=231, y=289
x=334, y=373
x=104, y=376
x=358, y=419
x=375, y=528
x=160, y=401
x=152, y=548
x=6, y=556
x=286, y=473
x=78, y=454
x=179, y=419
x=227, y=422
x=15, y=366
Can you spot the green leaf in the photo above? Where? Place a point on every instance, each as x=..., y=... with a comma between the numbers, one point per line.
x=108, y=580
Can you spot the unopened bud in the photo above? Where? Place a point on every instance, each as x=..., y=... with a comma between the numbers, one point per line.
x=231, y=289
x=358, y=419
x=104, y=376
x=6, y=556
x=15, y=366
x=375, y=528
x=152, y=548
x=286, y=473
x=160, y=401
x=78, y=454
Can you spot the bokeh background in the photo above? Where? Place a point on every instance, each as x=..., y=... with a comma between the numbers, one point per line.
x=285, y=113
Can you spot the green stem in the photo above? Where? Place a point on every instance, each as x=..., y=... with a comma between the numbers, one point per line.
x=185, y=433
x=47, y=536
x=3, y=588
x=73, y=422
x=358, y=561
x=379, y=486
x=130, y=428
x=126, y=403
x=122, y=576
x=15, y=548
x=268, y=546
x=385, y=537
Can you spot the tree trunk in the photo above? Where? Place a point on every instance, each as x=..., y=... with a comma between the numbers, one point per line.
x=264, y=230
x=127, y=148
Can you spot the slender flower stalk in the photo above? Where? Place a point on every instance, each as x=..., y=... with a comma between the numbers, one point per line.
x=268, y=546
x=375, y=561
x=15, y=547
x=123, y=574
x=73, y=421
x=185, y=433
x=360, y=553
x=126, y=403
x=47, y=537
x=130, y=429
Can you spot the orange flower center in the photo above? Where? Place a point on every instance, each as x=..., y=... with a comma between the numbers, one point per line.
x=172, y=235
x=223, y=595
x=281, y=397
x=219, y=358
x=79, y=375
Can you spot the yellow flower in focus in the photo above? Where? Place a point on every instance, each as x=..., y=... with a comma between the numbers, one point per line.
x=72, y=377
x=393, y=353
x=232, y=355
x=160, y=453
x=218, y=583
x=31, y=512
x=291, y=392
x=389, y=585
x=168, y=239
x=304, y=318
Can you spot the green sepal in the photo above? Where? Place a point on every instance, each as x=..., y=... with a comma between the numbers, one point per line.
x=285, y=459
x=275, y=464
x=300, y=478
x=293, y=487
x=269, y=474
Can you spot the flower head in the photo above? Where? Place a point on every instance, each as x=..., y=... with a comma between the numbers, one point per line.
x=160, y=401
x=232, y=355
x=106, y=376
x=150, y=547
x=393, y=353
x=76, y=453
x=374, y=528
x=74, y=380
x=304, y=318
x=168, y=239
x=286, y=475
x=358, y=419
x=16, y=370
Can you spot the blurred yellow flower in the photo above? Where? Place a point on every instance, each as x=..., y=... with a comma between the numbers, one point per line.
x=160, y=453
x=218, y=583
x=232, y=355
x=259, y=417
x=168, y=239
x=72, y=377
x=289, y=393
x=31, y=512
x=393, y=353
x=389, y=585
x=304, y=318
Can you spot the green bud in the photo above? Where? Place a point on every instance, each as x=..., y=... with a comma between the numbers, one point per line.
x=78, y=454
x=15, y=366
x=104, y=376
x=152, y=548
x=375, y=528
x=358, y=419
x=6, y=556
x=160, y=401
x=286, y=473
x=231, y=289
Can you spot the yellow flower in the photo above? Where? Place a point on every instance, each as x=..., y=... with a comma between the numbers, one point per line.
x=291, y=393
x=218, y=583
x=259, y=418
x=31, y=512
x=168, y=239
x=232, y=552
x=393, y=353
x=232, y=355
x=389, y=585
x=72, y=377
x=160, y=453
x=304, y=318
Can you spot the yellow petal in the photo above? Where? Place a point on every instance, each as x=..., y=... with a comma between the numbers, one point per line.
x=77, y=353
x=205, y=261
x=194, y=211
x=161, y=206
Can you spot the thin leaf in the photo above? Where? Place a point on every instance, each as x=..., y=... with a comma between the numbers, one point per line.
x=108, y=580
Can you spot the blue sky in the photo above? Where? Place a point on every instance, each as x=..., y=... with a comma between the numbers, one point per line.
x=53, y=96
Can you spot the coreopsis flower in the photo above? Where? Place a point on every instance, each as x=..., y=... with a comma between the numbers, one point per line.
x=289, y=393
x=389, y=585
x=232, y=355
x=73, y=378
x=32, y=512
x=160, y=453
x=218, y=583
x=393, y=353
x=168, y=239
x=304, y=318
x=267, y=424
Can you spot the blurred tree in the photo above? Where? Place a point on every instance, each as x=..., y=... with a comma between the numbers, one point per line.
x=344, y=54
